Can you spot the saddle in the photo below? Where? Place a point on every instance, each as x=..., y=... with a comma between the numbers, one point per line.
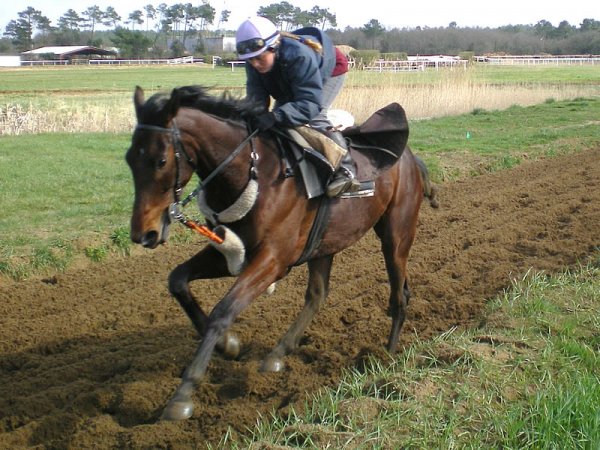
x=375, y=146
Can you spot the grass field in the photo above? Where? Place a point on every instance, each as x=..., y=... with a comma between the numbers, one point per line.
x=88, y=99
x=66, y=198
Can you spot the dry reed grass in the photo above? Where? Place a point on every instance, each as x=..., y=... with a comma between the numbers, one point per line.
x=68, y=117
x=451, y=96
x=454, y=93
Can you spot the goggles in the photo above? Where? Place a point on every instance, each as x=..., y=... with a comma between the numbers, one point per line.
x=250, y=46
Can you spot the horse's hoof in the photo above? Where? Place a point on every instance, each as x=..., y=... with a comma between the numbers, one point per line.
x=178, y=410
x=272, y=365
x=271, y=288
x=229, y=346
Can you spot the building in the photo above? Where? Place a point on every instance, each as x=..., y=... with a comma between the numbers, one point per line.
x=210, y=45
x=68, y=53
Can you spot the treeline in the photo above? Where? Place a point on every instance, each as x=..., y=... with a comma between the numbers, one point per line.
x=540, y=38
x=180, y=29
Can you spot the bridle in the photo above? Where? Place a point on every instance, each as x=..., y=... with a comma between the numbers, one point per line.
x=175, y=209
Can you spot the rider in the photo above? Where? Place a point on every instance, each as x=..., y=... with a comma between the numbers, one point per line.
x=304, y=72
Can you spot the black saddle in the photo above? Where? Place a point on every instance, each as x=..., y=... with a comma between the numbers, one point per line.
x=375, y=146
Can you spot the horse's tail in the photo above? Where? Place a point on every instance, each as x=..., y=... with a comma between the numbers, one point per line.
x=429, y=189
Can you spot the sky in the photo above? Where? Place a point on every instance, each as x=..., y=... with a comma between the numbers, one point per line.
x=353, y=13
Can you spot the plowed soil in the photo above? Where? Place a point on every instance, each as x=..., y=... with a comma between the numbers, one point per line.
x=89, y=357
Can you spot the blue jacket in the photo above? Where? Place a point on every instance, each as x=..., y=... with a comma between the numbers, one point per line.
x=296, y=80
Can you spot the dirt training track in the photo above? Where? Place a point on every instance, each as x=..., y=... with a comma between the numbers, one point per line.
x=88, y=358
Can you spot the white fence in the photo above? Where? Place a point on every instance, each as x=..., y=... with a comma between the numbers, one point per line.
x=145, y=62
x=116, y=62
x=414, y=64
x=50, y=62
x=539, y=60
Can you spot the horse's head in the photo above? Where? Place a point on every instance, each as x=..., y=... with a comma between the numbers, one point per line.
x=154, y=166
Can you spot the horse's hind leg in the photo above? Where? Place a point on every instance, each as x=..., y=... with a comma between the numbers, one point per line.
x=319, y=271
x=208, y=263
x=396, y=232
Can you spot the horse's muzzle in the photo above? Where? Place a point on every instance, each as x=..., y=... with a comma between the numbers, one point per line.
x=153, y=238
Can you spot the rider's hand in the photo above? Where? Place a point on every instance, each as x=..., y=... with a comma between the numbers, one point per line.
x=263, y=121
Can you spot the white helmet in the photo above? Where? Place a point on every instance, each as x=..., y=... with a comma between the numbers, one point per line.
x=254, y=36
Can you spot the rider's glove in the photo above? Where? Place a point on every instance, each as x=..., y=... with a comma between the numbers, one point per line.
x=263, y=121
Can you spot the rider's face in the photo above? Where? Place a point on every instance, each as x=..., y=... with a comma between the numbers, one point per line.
x=264, y=62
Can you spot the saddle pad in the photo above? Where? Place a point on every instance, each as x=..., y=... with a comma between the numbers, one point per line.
x=321, y=143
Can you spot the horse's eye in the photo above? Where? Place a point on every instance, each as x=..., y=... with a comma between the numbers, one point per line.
x=161, y=163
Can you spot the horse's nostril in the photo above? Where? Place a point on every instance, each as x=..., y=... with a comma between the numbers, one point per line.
x=150, y=239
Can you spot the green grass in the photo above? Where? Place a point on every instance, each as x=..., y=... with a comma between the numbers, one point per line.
x=61, y=194
x=62, y=183
x=528, y=378
x=32, y=81
x=502, y=139
x=546, y=74
x=106, y=79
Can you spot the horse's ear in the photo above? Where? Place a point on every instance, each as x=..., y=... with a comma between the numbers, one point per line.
x=138, y=101
x=173, y=104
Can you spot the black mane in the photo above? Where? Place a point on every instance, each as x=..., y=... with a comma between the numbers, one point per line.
x=225, y=105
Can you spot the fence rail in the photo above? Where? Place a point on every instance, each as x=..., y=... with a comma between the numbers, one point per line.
x=146, y=62
x=51, y=62
x=376, y=66
x=412, y=65
x=534, y=60
x=115, y=62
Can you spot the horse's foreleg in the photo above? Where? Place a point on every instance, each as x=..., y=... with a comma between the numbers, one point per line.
x=316, y=292
x=254, y=279
x=208, y=263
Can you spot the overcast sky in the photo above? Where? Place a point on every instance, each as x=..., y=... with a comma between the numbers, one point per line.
x=355, y=13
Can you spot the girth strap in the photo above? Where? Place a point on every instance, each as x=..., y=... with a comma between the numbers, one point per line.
x=317, y=230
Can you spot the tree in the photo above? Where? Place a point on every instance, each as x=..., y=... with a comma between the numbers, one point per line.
x=206, y=14
x=589, y=25
x=372, y=31
x=20, y=31
x=19, y=34
x=70, y=21
x=131, y=44
x=190, y=15
x=45, y=28
x=564, y=30
x=281, y=14
x=544, y=29
x=175, y=15
x=163, y=24
x=69, y=28
x=224, y=18
x=135, y=17
x=150, y=14
x=111, y=17
x=92, y=16
x=322, y=17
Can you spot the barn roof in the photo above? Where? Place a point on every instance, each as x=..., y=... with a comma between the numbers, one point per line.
x=69, y=50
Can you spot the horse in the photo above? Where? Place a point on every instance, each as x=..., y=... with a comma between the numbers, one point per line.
x=258, y=219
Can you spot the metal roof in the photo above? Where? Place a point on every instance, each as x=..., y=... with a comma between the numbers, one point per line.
x=66, y=50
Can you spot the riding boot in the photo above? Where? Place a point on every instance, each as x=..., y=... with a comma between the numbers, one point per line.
x=344, y=179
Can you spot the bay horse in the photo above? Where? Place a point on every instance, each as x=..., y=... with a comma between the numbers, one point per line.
x=260, y=219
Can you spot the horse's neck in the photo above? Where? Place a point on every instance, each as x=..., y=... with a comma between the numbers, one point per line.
x=215, y=141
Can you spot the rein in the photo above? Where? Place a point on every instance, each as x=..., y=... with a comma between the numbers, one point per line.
x=175, y=209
